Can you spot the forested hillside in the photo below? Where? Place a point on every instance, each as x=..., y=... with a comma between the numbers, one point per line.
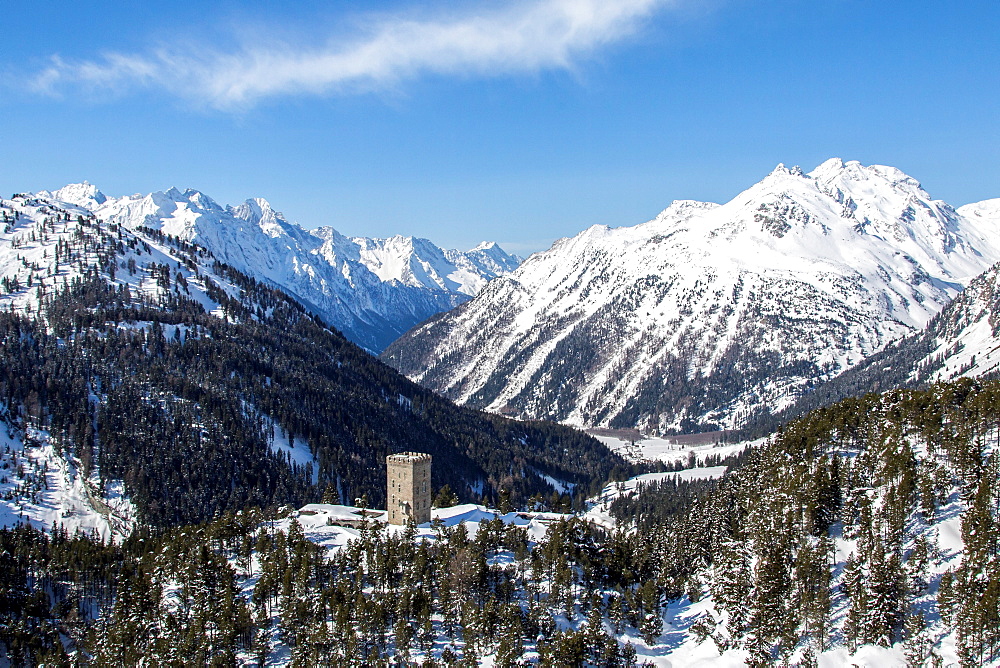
x=139, y=357
x=870, y=522
x=137, y=365
x=963, y=340
x=229, y=593
x=865, y=533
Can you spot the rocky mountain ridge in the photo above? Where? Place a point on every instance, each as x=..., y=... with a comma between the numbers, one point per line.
x=709, y=314
x=371, y=289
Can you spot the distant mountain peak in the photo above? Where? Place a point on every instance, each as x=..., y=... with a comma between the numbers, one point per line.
x=781, y=170
x=81, y=194
x=681, y=210
x=259, y=212
x=829, y=166
x=371, y=289
x=174, y=194
x=987, y=210
x=835, y=171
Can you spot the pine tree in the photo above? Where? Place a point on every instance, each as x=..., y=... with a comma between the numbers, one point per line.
x=730, y=585
x=917, y=646
x=445, y=498
x=770, y=613
x=331, y=495
x=651, y=625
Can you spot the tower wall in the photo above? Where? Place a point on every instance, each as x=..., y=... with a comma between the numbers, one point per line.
x=408, y=487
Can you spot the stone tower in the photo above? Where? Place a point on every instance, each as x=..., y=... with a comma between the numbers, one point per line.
x=408, y=488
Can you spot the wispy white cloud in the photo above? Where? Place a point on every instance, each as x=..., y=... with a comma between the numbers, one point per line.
x=514, y=36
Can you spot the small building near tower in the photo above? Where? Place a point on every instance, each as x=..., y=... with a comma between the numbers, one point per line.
x=408, y=488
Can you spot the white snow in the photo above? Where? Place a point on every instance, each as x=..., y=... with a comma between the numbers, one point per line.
x=560, y=486
x=671, y=450
x=297, y=452
x=322, y=523
x=842, y=261
x=357, y=284
x=45, y=488
x=28, y=253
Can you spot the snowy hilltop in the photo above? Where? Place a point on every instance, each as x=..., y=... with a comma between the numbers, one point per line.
x=371, y=289
x=709, y=314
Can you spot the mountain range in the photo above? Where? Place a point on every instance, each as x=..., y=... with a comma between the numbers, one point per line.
x=709, y=316
x=372, y=290
x=802, y=290
x=139, y=370
x=154, y=392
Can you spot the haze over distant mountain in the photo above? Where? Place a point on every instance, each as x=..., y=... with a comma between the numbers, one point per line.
x=709, y=314
x=371, y=289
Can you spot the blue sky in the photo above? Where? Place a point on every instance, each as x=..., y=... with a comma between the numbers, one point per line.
x=513, y=120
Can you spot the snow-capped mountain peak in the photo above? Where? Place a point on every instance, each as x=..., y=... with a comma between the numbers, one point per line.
x=258, y=212
x=418, y=262
x=781, y=171
x=986, y=211
x=81, y=194
x=835, y=177
x=682, y=210
x=372, y=289
x=708, y=312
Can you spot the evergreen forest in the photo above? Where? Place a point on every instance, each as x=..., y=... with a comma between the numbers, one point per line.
x=145, y=363
x=118, y=363
x=831, y=535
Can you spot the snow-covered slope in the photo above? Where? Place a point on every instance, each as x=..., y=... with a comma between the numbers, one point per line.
x=45, y=246
x=966, y=336
x=45, y=487
x=986, y=211
x=709, y=313
x=371, y=289
x=963, y=340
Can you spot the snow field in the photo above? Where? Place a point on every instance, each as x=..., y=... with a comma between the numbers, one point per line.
x=671, y=451
x=840, y=262
x=46, y=489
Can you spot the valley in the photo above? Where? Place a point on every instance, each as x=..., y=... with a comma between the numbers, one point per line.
x=710, y=316
x=500, y=334
x=789, y=459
